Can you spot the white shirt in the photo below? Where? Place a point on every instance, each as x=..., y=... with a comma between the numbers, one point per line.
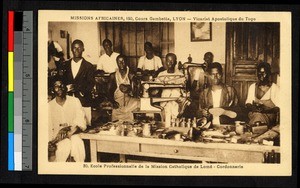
x=272, y=94
x=58, y=48
x=216, y=95
x=75, y=67
x=71, y=113
x=108, y=63
x=150, y=64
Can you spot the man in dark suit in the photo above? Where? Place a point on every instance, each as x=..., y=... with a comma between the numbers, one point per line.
x=79, y=77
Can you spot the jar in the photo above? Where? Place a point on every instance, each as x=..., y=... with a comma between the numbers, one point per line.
x=146, y=129
x=239, y=129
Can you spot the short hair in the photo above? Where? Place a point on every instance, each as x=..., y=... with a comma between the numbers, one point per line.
x=57, y=79
x=108, y=41
x=264, y=65
x=215, y=65
x=121, y=55
x=77, y=41
x=208, y=54
x=149, y=44
x=124, y=57
x=172, y=55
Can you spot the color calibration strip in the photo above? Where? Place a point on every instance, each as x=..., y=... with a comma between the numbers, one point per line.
x=20, y=90
x=11, y=161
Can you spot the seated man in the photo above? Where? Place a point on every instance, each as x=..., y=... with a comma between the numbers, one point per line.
x=149, y=64
x=171, y=76
x=263, y=97
x=119, y=89
x=217, y=95
x=66, y=117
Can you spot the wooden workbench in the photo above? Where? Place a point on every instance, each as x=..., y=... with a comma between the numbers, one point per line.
x=171, y=149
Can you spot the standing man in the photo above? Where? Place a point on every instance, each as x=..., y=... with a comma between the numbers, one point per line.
x=263, y=97
x=150, y=64
x=66, y=117
x=217, y=95
x=79, y=78
x=198, y=80
x=107, y=61
x=208, y=59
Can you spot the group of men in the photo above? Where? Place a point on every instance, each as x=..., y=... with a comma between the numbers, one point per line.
x=70, y=109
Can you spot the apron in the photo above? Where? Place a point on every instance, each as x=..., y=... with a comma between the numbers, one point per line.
x=268, y=118
x=127, y=103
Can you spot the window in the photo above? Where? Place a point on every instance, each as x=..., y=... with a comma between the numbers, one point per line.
x=129, y=38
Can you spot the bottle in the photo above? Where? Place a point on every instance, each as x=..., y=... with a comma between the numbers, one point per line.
x=146, y=130
x=191, y=133
x=173, y=122
x=182, y=122
x=188, y=123
x=167, y=119
x=177, y=122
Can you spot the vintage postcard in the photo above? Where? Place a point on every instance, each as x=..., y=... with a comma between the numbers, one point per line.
x=173, y=93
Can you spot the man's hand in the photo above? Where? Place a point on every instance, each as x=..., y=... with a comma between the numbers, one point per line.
x=253, y=107
x=72, y=131
x=115, y=104
x=63, y=133
x=146, y=72
x=204, y=112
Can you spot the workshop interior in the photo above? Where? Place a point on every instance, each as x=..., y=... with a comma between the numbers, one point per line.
x=166, y=91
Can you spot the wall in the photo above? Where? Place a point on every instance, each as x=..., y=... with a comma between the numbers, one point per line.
x=87, y=32
x=184, y=46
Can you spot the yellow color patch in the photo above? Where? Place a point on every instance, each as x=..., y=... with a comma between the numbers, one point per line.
x=10, y=71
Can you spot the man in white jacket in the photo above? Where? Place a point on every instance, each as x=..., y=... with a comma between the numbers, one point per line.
x=66, y=117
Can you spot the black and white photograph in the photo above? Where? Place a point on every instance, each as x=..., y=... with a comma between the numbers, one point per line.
x=148, y=93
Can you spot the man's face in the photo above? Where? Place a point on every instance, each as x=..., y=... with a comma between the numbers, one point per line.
x=107, y=47
x=262, y=75
x=170, y=63
x=208, y=58
x=149, y=50
x=77, y=50
x=121, y=63
x=215, y=77
x=60, y=89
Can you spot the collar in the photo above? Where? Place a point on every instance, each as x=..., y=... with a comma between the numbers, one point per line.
x=79, y=62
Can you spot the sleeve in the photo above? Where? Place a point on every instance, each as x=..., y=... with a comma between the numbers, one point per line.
x=275, y=93
x=100, y=64
x=51, y=135
x=141, y=63
x=79, y=118
x=251, y=94
x=111, y=87
x=235, y=100
x=57, y=47
x=201, y=100
x=90, y=78
x=158, y=62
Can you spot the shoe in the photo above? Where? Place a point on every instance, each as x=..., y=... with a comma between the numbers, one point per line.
x=216, y=111
x=221, y=111
x=230, y=113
